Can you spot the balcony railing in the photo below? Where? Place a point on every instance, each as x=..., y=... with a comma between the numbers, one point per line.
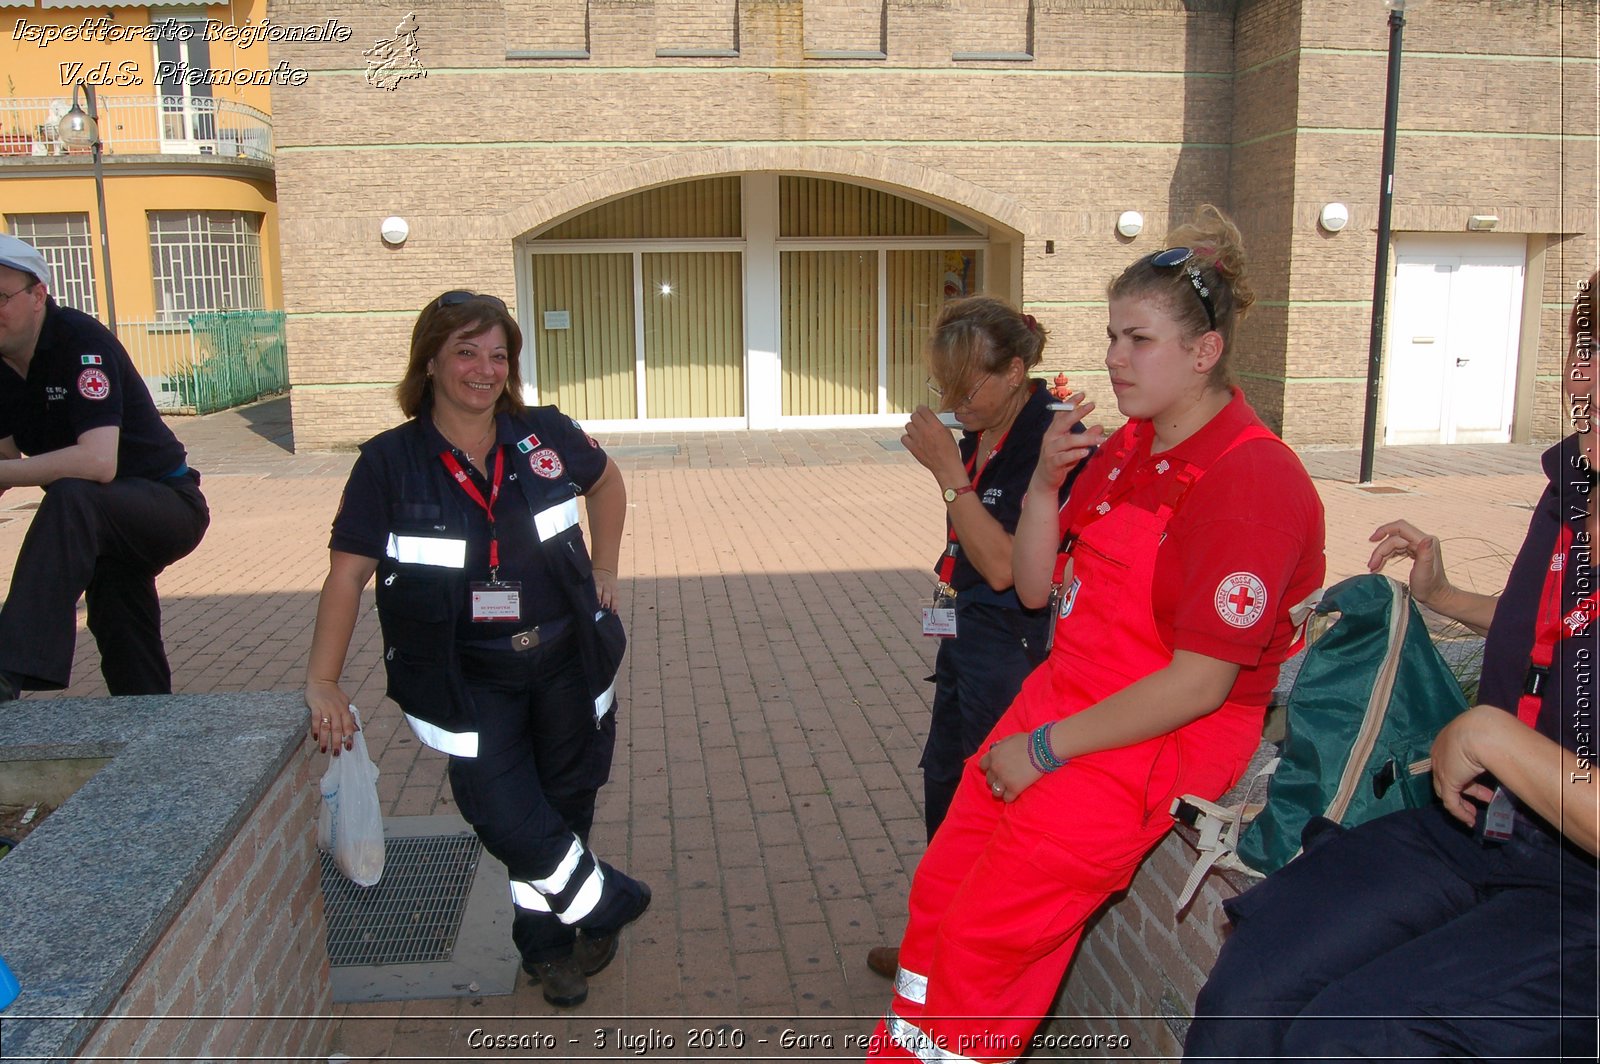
x=140, y=125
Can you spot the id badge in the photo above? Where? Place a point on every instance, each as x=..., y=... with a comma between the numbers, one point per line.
x=939, y=620
x=497, y=601
x=1500, y=818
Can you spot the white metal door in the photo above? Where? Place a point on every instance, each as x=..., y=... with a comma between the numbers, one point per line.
x=1453, y=340
x=1417, y=341
x=1485, y=319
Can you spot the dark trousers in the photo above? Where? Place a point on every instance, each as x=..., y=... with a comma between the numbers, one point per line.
x=976, y=675
x=106, y=542
x=1405, y=937
x=541, y=762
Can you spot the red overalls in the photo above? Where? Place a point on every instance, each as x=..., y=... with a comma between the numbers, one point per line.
x=1003, y=891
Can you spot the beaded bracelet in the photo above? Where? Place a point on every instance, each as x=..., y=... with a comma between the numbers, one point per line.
x=1040, y=755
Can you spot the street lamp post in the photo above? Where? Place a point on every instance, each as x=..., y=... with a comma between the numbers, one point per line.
x=1380, y=276
x=80, y=129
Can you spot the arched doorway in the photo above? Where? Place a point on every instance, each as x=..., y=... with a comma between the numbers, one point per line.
x=751, y=300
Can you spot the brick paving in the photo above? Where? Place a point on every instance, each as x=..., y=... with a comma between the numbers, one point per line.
x=773, y=703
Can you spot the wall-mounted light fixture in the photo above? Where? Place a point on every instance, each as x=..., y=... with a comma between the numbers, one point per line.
x=1334, y=217
x=1130, y=224
x=1483, y=222
x=394, y=230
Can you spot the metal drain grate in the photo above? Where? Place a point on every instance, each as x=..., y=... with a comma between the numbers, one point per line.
x=414, y=913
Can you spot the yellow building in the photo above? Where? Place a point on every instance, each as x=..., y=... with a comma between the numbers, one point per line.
x=182, y=94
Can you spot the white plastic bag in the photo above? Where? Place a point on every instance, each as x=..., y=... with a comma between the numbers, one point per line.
x=350, y=825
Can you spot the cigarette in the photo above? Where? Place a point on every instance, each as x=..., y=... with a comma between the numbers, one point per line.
x=1063, y=407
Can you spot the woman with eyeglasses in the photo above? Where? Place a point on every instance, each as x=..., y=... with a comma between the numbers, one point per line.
x=1188, y=537
x=979, y=354
x=500, y=640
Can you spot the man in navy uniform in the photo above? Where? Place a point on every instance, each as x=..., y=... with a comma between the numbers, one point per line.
x=120, y=501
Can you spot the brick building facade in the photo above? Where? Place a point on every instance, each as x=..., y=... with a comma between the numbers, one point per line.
x=1021, y=128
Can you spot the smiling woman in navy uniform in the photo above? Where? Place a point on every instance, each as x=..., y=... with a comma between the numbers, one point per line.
x=499, y=638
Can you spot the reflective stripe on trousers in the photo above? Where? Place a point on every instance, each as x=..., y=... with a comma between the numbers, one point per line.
x=908, y=1037
x=571, y=892
x=911, y=986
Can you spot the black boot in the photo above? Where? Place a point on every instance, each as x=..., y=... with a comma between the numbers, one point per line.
x=561, y=980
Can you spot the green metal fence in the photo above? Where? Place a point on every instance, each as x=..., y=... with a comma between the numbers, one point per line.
x=240, y=356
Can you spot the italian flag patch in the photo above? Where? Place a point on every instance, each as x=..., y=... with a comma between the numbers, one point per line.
x=526, y=446
x=91, y=360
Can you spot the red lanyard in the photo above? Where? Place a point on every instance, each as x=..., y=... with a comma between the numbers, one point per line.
x=947, y=563
x=476, y=496
x=1551, y=627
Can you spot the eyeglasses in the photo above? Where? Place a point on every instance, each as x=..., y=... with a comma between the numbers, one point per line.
x=1171, y=259
x=938, y=391
x=9, y=296
x=461, y=295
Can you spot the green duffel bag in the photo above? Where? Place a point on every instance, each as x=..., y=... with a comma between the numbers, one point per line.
x=1371, y=695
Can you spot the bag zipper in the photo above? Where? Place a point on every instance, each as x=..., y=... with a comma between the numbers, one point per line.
x=1377, y=704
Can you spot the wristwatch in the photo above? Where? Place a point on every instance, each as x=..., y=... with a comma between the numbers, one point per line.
x=952, y=494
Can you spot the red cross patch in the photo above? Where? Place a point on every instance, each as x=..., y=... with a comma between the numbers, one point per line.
x=94, y=384
x=547, y=463
x=1241, y=599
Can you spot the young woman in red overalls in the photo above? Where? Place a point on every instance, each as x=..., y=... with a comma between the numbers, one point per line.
x=1190, y=534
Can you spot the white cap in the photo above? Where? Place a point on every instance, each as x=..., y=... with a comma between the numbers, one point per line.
x=23, y=256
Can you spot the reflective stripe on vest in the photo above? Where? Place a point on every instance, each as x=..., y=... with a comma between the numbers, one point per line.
x=909, y=1037
x=457, y=744
x=557, y=519
x=608, y=697
x=427, y=550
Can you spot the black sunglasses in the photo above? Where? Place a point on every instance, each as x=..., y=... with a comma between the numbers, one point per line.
x=461, y=295
x=1171, y=259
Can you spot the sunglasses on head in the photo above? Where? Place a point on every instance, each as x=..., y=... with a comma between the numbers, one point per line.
x=1171, y=259
x=461, y=295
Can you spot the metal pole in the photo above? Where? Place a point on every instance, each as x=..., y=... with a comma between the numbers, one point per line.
x=100, y=196
x=1380, y=277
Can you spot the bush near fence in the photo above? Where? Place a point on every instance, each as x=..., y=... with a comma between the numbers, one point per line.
x=212, y=361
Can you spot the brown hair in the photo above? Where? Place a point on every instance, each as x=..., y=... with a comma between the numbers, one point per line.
x=1219, y=255
x=979, y=335
x=439, y=320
